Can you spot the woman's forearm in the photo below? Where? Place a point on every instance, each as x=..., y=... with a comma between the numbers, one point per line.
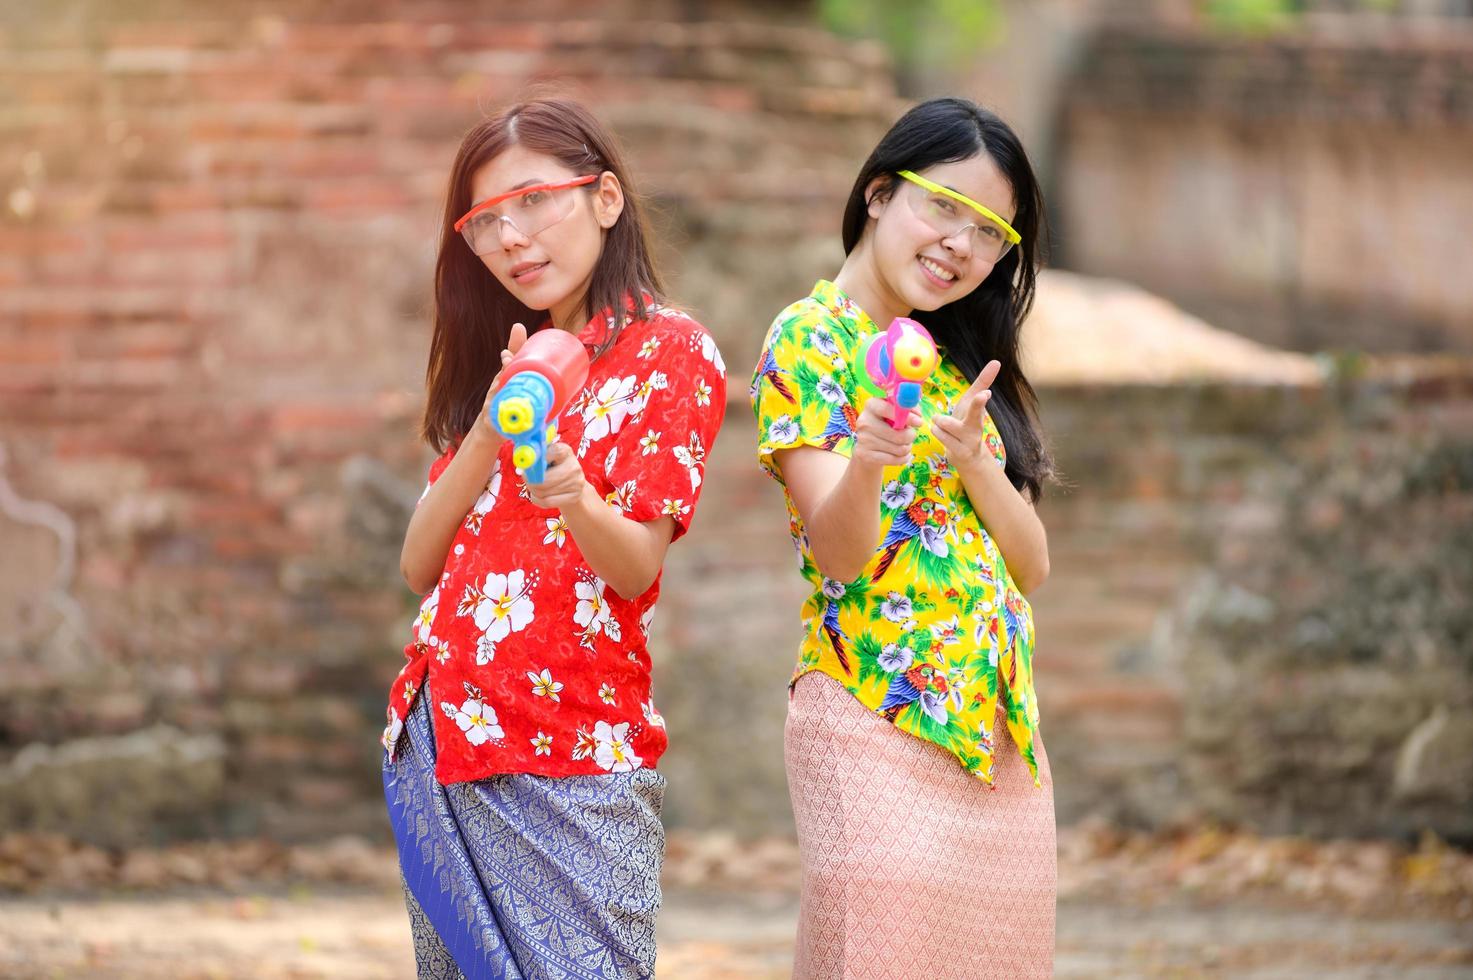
x=624, y=553
x=438, y=517
x=1010, y=520
x=844, y=529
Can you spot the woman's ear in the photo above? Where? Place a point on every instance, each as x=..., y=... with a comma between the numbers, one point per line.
x=877, y=195
x=608, y=200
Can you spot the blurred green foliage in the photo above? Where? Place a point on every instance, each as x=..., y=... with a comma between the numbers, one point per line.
x=1266, y=16
x=921, y=34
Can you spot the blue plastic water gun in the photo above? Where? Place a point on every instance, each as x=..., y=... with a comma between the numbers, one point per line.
x=539, y=381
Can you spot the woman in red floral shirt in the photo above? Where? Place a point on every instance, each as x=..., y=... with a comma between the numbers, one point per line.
x=522, y=738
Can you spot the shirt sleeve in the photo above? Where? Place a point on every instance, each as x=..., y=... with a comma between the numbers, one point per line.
x=657, y=464
x=803, y=388
x=436, y=468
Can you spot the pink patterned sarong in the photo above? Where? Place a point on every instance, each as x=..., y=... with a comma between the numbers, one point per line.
x=912, y=868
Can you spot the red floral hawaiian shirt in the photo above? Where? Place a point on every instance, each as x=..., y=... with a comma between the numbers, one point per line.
x=534, y=666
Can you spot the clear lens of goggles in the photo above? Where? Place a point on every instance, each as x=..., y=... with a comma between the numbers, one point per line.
x=529, y=214
x=949, y=218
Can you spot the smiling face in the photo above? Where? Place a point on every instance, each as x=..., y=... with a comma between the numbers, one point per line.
x=915, y=267
x=551, y=269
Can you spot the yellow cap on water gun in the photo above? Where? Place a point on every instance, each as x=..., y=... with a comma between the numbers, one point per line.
x=514, y=416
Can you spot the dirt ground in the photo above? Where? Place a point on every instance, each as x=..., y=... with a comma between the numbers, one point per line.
x=1200, y=904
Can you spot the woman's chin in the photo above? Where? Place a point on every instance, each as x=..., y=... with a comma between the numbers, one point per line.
x=542, y=295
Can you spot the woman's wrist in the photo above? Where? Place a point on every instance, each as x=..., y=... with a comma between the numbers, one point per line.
x=482, y=440
x=585, y=507
x=865, y=472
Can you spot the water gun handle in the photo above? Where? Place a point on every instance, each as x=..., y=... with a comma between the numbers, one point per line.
x=522, y=412
x=905, y=399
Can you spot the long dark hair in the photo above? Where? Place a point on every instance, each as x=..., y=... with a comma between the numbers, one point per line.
x=983, y=325
x=473, y=312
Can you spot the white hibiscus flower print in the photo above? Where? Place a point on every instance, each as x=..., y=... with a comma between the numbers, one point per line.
x=897, y=495
x=475, y=718
x=501, y=605
x=782, y=430
x=831, y=391
x=606, y=409
x=542, y=744
x=592, y=610
x=823, y=342
x=484, y=503
x=833, y=588
x=895, y=657
x=895, y=607
x=710, y=351
x=390, y=738
x=426, y=617
x=606, y=694
x=543, y=686
x=612, y=749
x=646, y=620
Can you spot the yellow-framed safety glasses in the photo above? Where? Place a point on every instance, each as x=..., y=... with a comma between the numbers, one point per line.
x=938, y=207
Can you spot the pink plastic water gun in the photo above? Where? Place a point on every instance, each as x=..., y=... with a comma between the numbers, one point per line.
x=894, y=363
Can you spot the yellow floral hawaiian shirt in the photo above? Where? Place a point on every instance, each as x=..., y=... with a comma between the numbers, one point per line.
x=933, y=633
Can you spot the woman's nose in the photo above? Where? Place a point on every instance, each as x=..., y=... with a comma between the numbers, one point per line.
x=959, y=243
x=504, y=224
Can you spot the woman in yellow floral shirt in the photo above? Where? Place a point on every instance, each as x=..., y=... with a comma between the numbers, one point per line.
x=914, y=688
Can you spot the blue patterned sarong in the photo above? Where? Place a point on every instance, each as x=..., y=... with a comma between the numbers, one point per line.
x=523, y=877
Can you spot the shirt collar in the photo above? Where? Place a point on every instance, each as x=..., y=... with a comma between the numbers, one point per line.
x=598, y=325
x=845, y=310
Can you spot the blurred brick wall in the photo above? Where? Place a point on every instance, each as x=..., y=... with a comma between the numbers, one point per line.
x=1259, y=606
x=216, y=240
x=1309, y=191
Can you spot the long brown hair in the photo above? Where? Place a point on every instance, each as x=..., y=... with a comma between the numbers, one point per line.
x=473, y=312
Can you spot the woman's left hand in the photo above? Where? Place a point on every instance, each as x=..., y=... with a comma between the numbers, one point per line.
x=564, y=483
x=961, y=433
